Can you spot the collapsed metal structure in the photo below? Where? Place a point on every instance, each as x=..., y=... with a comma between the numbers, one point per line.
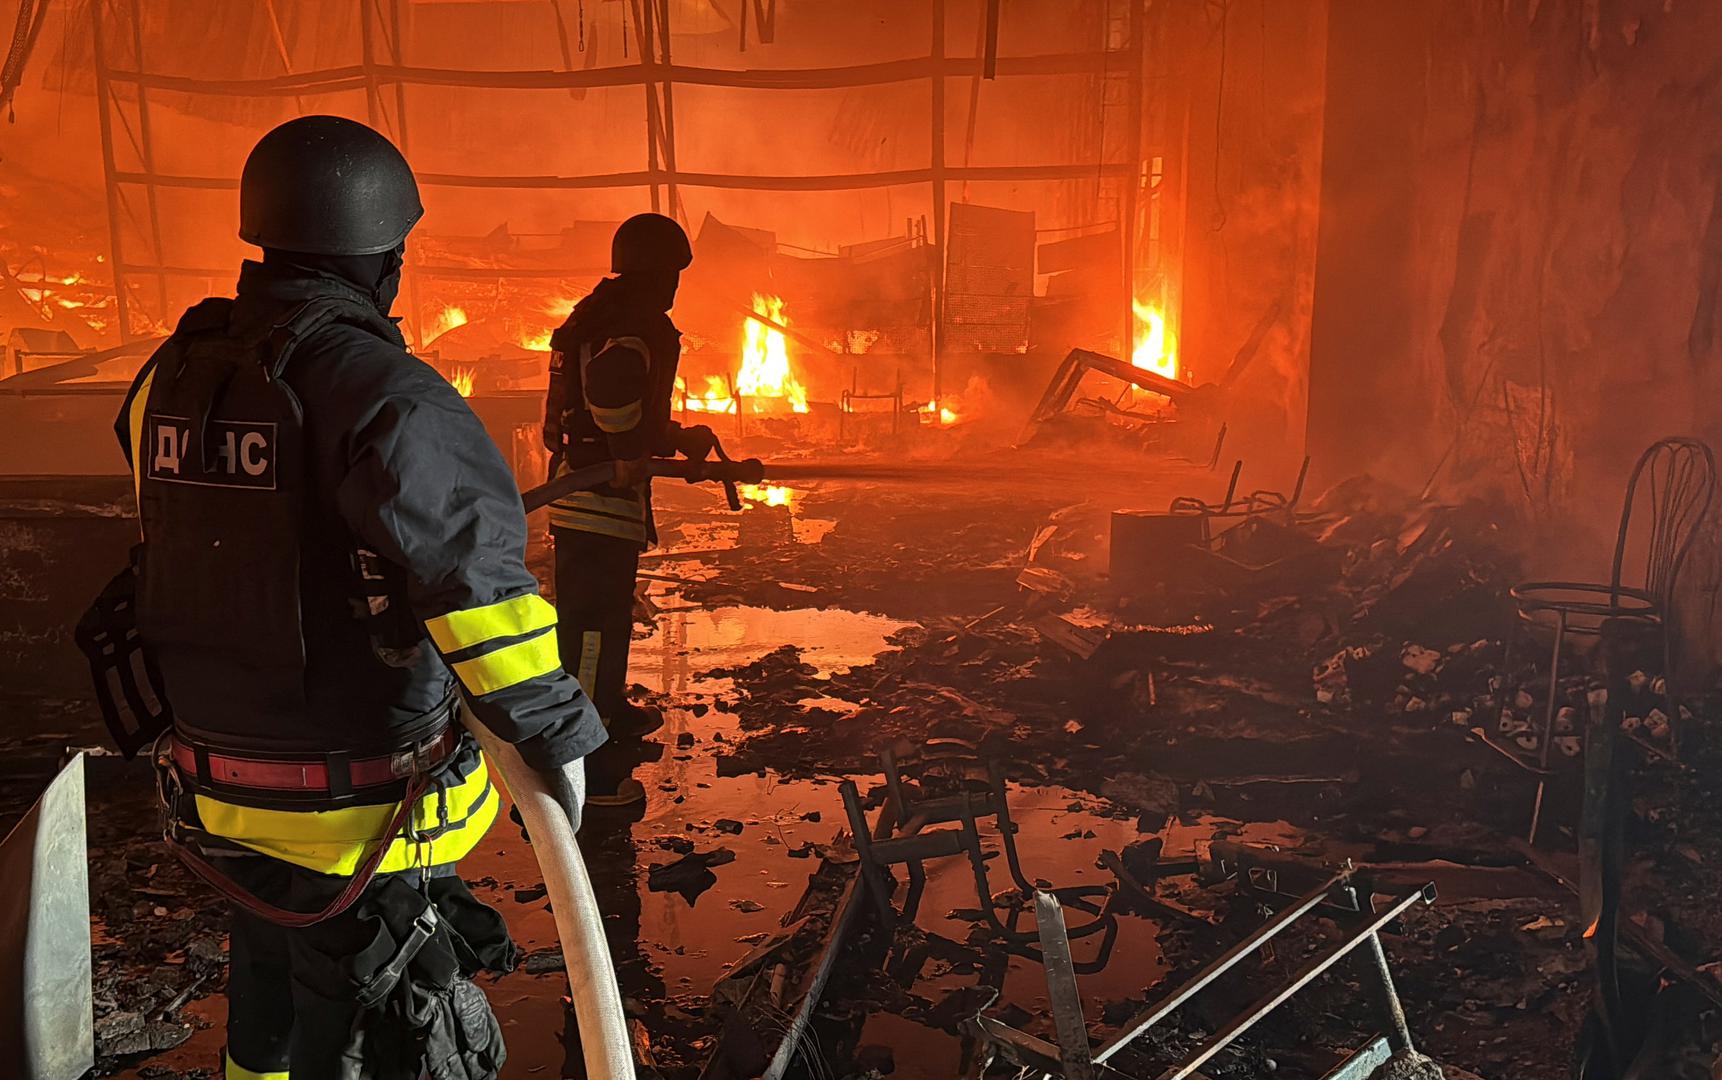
x=385, y=76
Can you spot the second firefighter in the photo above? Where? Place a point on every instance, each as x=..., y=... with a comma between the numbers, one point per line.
x=612, y=377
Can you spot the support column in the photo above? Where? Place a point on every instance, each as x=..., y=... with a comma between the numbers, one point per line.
x=937, y=337
x=104, y=101
x=146, y=153
x=1132, y=182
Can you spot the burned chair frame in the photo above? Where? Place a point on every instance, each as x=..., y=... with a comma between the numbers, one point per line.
x=904, y=834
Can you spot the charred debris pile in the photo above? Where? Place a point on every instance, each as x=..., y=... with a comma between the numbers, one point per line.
x=1350, y=627
x=1346, y=667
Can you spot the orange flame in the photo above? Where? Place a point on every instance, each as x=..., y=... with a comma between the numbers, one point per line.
x=446, y=319
x=716, y=399
x=765, y=370
x=462, y=378
x=558, y=309
x=766, y=494
x=944, y=413
x=1156, y=346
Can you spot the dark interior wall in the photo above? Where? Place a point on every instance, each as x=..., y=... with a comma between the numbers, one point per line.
x=1249, y=78
x=1520, y=252
x=1361, y=331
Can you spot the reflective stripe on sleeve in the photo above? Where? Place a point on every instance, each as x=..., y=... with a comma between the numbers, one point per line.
x=591, y=644
x=510, y=665
x=236, y=1071
x=593, y=503
x=602, y=524
x=614, y=421
x=506, y=618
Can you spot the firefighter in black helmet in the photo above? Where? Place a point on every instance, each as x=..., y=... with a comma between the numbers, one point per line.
x=333, y=561
x=612, y=375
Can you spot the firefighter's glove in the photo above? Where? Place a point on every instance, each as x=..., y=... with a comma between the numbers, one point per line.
x=696, y=443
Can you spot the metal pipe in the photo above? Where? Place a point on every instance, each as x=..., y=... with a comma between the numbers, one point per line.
x=1224, y=963
x=1073, y=1048
x=105, y=122
x=1548, y=731
x=1391, y=1008
x=1254, y=1014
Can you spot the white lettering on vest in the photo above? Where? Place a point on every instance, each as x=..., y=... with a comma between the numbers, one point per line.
x=250, y=453
x=225, y=453
x=167, y=448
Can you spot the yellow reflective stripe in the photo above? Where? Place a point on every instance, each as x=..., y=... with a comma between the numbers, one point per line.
x=509, y=665
x=591, y=643
x=591, y=501
x=625, y=418
x=603, y=526
x=338, y=841
x=135, y=423
x=236, y=1071
x=506, y=618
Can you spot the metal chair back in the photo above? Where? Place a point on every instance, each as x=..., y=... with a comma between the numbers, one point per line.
x=1680, y=478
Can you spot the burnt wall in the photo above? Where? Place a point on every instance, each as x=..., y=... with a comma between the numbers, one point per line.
x=1520, y=254
x=1247, y=80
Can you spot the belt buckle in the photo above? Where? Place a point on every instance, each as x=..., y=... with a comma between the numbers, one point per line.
x=416, y=759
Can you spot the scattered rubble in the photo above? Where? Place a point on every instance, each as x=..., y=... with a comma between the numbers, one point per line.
x=1334, y=696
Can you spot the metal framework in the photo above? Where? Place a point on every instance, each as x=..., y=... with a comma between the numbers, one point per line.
x=1075, y=1058
x=383, y=74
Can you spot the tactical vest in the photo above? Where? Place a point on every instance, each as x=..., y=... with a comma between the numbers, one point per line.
x=569, y=425
x=245, y=582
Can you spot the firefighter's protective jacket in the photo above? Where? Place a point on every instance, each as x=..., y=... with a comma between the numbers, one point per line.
x=326, y=554
x=612, y=378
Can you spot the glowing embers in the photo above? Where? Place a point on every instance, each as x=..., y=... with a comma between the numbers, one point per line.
x=933, y=412
x=766, y=381
x=1156, y=346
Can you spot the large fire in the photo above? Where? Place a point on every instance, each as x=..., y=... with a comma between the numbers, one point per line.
x=1156, y=346
x=765, y=370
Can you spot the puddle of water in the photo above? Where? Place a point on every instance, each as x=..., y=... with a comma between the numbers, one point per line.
x=812, y=530
x=686, y=645
x=830, y=704
x=666, y=947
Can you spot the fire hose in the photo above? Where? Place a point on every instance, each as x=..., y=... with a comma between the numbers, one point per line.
x=726, y=471
x=550, y=807
x=549, y=804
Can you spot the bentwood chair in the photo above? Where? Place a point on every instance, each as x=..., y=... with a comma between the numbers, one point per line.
x=1678, y=481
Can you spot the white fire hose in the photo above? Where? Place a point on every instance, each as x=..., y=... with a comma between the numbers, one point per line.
x=549, y=805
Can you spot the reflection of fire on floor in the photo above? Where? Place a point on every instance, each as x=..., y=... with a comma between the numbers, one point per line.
x=880, y=617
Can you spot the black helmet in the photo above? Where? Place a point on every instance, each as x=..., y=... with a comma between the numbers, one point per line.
x=648, y=242
x=327, y=186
